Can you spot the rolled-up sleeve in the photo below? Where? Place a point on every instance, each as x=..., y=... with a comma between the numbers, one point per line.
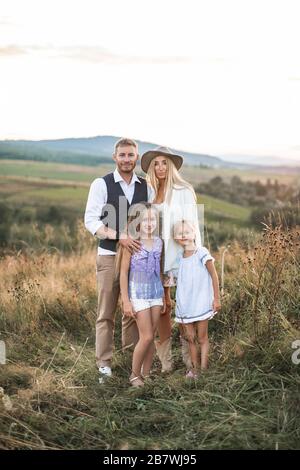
x=97, y=199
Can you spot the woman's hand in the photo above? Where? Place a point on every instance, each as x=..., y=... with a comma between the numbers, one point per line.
x=216, y=305
x=128, y=310
x=163, y=308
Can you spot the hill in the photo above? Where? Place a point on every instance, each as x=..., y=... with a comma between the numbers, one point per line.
x=91, y=151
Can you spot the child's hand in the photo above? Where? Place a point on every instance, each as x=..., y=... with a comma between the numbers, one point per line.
x=128, y=310
x=163, y=308
x=216, y=305
x=167, y=306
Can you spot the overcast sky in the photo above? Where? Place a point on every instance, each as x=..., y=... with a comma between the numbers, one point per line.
x=221, y=77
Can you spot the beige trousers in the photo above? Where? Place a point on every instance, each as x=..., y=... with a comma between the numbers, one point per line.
x=108, y=288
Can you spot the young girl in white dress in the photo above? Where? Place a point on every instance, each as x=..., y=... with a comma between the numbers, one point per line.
x=197, y=295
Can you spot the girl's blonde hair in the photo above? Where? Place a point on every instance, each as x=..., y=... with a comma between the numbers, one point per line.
x=173, y=178
x=138, y=210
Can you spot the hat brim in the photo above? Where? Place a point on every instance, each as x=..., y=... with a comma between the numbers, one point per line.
x=147, y=158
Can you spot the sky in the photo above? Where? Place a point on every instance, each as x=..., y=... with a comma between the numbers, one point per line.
x=211, y=76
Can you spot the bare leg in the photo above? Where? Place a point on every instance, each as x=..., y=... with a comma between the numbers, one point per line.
x=144, y=324
x=202, y=330
x=155, y=316
x=190, y=334
x=185, y=350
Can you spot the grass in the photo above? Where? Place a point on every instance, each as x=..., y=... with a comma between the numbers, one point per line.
x=36, y=192
x=223, y=211
x=66, y=196
x=193, y=174
x=51, y=171
x=57, y=403
x=247, y=399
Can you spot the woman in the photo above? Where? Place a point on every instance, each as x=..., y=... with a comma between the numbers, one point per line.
x=176, y=200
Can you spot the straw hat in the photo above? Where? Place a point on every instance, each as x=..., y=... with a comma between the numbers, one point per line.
x=147, y=157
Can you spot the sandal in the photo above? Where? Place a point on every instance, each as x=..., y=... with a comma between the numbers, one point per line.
x=136, y=381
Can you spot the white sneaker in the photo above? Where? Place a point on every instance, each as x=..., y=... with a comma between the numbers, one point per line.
x=105, y=372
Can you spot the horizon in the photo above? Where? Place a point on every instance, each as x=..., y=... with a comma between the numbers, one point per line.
x=233, y=158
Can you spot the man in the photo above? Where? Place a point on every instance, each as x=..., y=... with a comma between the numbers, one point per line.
x=115, y=192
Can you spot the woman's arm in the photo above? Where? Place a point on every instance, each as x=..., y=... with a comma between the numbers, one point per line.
x=215, y=281
x=124, y=271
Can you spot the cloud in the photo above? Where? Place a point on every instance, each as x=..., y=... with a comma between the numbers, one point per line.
x=98, y=54
x=93, y=54
x=12, y=50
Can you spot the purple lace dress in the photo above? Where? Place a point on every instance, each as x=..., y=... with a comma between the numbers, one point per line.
x=144, y=275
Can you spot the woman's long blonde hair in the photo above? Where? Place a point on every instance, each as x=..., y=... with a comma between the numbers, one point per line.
x=173, y=178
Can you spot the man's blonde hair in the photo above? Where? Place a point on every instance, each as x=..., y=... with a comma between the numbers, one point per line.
x=125, y=141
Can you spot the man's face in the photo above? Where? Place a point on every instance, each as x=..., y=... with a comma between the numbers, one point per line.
x=126, y=157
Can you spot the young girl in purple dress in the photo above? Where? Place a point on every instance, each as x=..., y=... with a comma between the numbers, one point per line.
x=142, y=292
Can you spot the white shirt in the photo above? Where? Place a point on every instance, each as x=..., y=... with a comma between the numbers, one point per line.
x=97, y=199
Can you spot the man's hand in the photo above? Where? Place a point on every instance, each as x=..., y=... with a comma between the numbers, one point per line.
x=128, y=310
x=129, y=243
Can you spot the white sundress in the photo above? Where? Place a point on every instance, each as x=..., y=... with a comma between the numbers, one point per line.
x=194, y=294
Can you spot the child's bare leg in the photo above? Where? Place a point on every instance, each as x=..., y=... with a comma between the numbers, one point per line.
x=202, y=330
x=144, y=324
x=190, y=335
x=155, y=316
x=164, y=325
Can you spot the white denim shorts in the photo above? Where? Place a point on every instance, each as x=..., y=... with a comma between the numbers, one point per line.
x=143, y=304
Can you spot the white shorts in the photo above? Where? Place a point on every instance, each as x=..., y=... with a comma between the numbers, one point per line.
x=143, y=304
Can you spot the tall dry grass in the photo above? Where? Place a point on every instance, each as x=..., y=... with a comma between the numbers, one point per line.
x=248, y=398
x=47, y=291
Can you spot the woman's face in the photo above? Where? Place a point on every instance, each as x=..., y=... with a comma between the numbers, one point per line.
x=160, y=167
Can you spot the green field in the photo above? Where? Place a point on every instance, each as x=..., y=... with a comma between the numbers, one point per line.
x=195, y=175
x=217, y=209
x=45, y=184
x=51, y=171
x=50, y=184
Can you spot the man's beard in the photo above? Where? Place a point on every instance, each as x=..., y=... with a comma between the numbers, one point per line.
x=127, y=168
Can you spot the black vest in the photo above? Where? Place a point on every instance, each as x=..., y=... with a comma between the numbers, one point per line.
x=117, y=219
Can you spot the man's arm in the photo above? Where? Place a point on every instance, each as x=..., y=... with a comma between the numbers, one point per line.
x=124, y=271
x=97, y=199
